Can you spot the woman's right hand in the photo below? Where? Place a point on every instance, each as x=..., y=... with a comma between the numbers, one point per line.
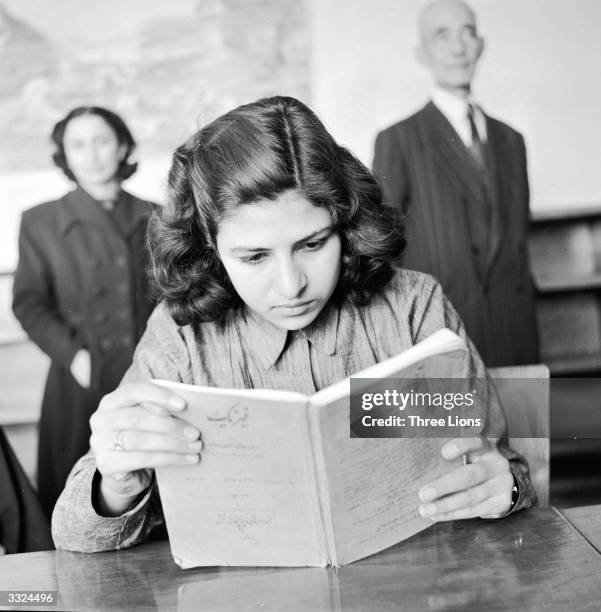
x=136, y=428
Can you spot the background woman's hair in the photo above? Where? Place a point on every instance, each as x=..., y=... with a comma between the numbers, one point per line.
x=124, y=137
x=255, y=152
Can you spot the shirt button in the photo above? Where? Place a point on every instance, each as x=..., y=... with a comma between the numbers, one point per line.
x=126, y=340
x=106, y=344
x=101, y=316
x=120, y=261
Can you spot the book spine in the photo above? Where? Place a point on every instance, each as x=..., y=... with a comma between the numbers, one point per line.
x=322, y=489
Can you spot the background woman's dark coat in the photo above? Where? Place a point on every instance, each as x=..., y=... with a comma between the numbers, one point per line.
x=80, y=283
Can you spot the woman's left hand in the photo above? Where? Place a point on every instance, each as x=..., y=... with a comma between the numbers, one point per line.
x=481, y=488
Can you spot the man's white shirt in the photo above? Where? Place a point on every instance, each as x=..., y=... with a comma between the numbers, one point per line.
x=454, y=108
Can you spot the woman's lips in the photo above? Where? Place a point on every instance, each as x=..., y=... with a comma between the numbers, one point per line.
x=295, y=308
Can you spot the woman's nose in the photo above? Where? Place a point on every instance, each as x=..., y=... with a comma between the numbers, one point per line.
x=94, y=153
x=292, y=279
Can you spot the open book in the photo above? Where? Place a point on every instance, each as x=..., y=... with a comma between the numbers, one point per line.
x=282, y=483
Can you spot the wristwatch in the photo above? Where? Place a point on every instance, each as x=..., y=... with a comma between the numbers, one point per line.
x=515, y=495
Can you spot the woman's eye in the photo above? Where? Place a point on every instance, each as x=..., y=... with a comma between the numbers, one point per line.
x=314, y=245
x=253, y=259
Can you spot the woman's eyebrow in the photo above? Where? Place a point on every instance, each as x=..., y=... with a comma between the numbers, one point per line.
x=313, y=235
x=249, y=249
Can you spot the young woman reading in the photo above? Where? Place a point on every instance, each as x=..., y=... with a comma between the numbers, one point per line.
x=274, y=262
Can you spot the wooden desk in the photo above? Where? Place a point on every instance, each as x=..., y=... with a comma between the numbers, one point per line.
x=531, y=561
x=587, y=520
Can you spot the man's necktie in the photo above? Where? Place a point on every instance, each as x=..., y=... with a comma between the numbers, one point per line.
x=476, y=149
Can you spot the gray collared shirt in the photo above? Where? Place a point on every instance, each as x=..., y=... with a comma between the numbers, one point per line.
x=250, y=352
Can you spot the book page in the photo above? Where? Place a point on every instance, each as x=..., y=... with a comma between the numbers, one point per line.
x=373, y=484
x=428, y=359
x=252, y=498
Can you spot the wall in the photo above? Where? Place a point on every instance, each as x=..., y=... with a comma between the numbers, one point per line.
x=166, y=67
x=539, y=73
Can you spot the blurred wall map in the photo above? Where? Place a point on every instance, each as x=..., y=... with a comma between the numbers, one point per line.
x=165, y=72
x=166, y=67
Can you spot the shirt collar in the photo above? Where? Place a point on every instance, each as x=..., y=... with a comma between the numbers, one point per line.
x=453, y=107
x=266, y=342
x=323, y=332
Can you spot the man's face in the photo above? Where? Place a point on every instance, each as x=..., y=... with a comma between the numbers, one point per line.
x=450, y=45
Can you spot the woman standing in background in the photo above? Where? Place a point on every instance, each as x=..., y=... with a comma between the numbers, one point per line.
x=80, y=289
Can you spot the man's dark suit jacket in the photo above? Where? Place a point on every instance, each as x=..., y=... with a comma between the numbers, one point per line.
x=465, y=226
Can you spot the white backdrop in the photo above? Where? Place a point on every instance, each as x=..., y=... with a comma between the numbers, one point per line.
x=540, y=72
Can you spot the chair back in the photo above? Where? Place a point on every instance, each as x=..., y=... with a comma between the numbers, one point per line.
x=524, y=394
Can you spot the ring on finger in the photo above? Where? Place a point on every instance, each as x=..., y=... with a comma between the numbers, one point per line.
x=118, y=444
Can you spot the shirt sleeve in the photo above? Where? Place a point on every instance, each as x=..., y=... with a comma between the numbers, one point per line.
x=433, y=311
x=76, y=525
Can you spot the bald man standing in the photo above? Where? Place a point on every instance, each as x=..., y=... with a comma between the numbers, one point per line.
x=461, y=177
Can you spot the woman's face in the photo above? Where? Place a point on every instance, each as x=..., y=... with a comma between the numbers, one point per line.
x=92, y=150
x=283, y=258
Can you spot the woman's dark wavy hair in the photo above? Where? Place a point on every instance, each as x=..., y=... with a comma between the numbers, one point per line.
x=124, y=137
x=256, y=152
